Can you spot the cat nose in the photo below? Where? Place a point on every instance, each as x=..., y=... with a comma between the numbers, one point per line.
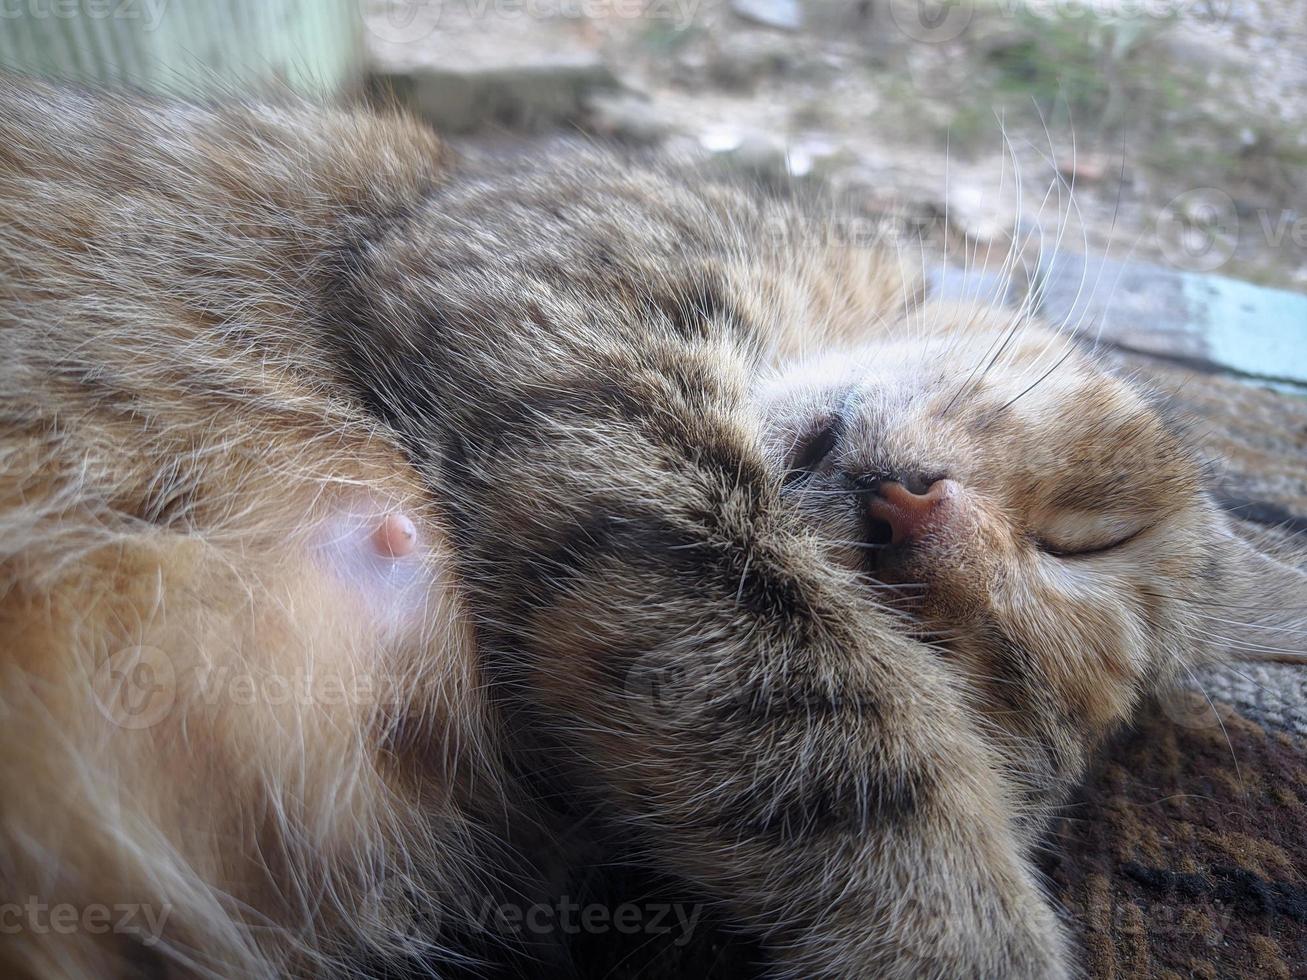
x=903, y=510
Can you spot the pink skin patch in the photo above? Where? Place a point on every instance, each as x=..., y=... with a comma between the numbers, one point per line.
x=377, y=554
x=395, y=537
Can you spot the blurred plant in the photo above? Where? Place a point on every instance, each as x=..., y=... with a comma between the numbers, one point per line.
x=1116, y=80
x=661, y=36
x=1085, y=70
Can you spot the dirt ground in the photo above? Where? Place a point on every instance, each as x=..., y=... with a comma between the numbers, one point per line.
x=1170, y=131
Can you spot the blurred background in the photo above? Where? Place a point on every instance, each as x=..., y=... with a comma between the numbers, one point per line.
x=1135, y=169
x=1125, y=158
x=1181, y=125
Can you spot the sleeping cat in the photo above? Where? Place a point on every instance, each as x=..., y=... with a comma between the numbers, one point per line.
x=358, y=509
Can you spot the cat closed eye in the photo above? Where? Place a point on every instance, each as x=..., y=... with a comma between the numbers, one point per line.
x=1085, y=548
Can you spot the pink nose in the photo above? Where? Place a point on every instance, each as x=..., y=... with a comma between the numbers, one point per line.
x=905, y=514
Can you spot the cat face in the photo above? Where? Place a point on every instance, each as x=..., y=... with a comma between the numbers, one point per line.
x=1035, y=516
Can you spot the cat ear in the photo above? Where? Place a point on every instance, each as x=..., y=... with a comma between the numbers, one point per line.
x=1265, y=617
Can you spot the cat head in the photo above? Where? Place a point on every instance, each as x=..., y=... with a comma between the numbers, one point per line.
x=1040, y=519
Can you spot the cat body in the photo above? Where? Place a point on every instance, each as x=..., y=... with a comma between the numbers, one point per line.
x=354, y=503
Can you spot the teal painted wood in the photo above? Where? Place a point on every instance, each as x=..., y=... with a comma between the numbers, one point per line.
x=1221, y=323
x=1249, y=328
x=188, y=47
